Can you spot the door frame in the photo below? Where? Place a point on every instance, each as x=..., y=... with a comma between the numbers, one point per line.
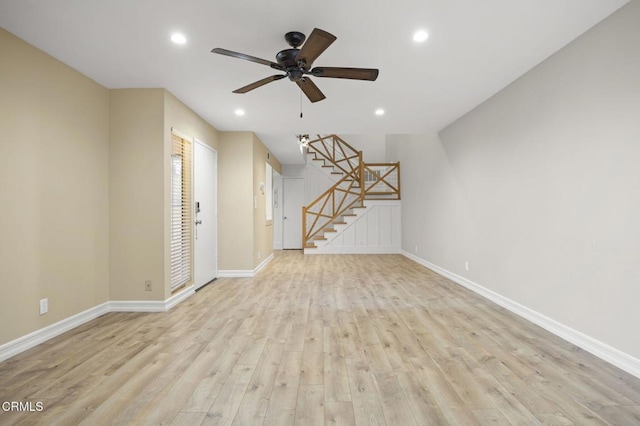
x=204, y=145
x=284, y=203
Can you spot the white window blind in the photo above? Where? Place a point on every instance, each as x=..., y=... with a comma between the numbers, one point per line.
x=181, y=219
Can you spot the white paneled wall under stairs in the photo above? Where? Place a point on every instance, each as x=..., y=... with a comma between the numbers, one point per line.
x=351, y=206
x=371, y=229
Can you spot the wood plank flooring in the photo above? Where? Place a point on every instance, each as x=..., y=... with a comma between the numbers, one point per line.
x=319, y=340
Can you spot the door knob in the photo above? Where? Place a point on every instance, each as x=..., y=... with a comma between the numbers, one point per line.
x=285, y=217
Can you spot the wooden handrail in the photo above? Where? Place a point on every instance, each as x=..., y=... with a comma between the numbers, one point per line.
x=335, y=201
x=335, y=152
x=335, y=137
x=336, y=198
x=389, y=180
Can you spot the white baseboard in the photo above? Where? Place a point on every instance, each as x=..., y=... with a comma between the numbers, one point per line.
x=263, y=264
x=610, y=354
x=23, y=343
x=150, y=305
x=244, y=273
x=352, y=250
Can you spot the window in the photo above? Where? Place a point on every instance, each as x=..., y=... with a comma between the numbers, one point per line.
x=180, y=212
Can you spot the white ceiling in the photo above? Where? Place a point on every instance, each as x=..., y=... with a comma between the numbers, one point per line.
x=475, y=48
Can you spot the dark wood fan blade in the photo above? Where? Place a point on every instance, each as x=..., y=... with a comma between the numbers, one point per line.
x=317, y=43
x=259, y=83
x=352, y=73
x=310, y=89
x=246, y=57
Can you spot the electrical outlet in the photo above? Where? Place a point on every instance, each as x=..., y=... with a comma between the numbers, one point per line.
x=416, y=249
x=466, y=265
x=44, y=306
x=147, y=285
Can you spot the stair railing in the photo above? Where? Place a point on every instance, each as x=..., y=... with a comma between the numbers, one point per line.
x=381, y=181
x=331, y=204
x=372, y=181
x=338, y=152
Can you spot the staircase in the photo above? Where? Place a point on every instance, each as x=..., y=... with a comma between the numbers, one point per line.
x=347, y=200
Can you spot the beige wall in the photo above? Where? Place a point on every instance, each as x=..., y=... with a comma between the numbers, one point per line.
x=262, y=229
x=235, y=201
x=179, y=117
x=141, y=121
x=242, y=228
x=87, y=171
x=54, y=186
x=136, y=193
x=539, y=187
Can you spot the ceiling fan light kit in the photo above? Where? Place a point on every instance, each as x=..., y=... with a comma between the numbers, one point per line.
x=296, y=64
x=303, y=140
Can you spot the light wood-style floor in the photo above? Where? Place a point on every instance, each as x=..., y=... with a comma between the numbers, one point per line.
x=333, y=340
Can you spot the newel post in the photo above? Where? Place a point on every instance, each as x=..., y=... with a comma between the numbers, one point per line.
x=361, y=167
x=304, y=227
x=399, y=192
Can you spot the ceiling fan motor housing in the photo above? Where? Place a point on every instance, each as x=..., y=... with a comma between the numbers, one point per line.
x=288, y=60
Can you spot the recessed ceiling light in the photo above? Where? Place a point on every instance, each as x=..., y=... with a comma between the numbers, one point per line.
x=178, y=38
x=379, y=111
x=239, y=112
x=420, y=36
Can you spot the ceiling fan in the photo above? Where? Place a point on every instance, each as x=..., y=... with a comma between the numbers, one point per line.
x=296, y=64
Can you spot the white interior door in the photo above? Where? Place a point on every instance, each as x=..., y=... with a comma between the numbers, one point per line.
x=205, y=196
x=293, y=200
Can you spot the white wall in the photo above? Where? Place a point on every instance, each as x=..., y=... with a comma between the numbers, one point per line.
x=371, y=145
x=318, y=179
x=539, y=187
x=375, y=230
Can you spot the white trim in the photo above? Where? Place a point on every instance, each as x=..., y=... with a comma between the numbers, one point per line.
x=137, y=306
x=182, y=135
x=193, y=207
x=610, y=354
x=179, y=297
x=353, y=250
x=263, y=264
x=198, y=141
x=151, y=305
x=23, y=343
x=244, y=273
